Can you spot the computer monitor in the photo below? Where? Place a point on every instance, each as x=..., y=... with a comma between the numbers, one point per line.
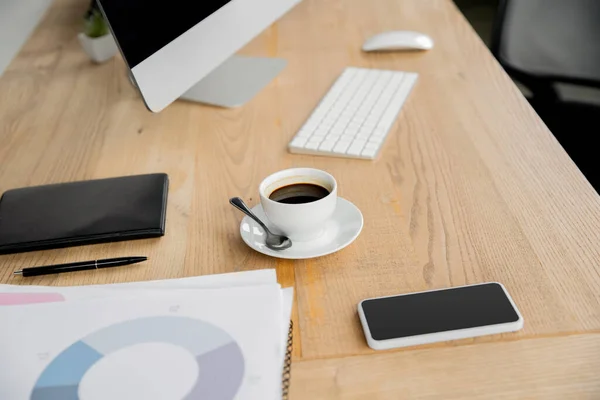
x=186, y=48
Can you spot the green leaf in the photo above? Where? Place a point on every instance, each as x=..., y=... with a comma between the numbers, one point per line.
x=95, y=25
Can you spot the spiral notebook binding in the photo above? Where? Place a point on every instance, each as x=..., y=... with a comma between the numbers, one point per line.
x=287, y=364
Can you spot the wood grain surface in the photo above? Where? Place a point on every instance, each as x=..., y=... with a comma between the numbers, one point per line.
x=470, y=187
x=542, y=368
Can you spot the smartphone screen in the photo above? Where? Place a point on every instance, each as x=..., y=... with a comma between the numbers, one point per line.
x=438, y=311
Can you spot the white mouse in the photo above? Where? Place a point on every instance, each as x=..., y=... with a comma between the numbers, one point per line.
x=398, y=40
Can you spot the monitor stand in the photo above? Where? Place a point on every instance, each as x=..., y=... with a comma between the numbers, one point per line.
x=236, y=81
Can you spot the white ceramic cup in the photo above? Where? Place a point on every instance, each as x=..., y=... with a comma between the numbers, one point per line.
x=299, y=222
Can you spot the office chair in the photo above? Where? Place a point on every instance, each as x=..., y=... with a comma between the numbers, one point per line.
x=544, y=42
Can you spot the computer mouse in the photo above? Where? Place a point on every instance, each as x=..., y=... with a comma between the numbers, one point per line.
x=398, y=40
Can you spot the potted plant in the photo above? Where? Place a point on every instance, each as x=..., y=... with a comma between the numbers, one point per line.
x=96, y=38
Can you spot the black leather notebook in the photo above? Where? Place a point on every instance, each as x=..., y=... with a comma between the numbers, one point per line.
x=86, y=212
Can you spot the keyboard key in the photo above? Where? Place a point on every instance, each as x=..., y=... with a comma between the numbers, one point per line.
x=341, y=147
x=353, y=125
x=369, y=124
x=298, y=142
x=311, y=145
x=309, y=127
x=351, y=131
x=346, y=138
x=320, y=132
x=340, y=123
x=365, y=130
x=343, y=120
x=387, y=120
x=375, y=140
x=369, y=153
x=327, y=145
x=360, y=142
x=336, y=131
x=355, y=149
x=379, y=132
x=305, y=133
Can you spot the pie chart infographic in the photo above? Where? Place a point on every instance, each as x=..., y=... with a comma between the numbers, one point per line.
x=218, y=356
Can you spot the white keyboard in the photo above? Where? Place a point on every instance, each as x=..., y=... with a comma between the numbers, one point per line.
x=355, y=116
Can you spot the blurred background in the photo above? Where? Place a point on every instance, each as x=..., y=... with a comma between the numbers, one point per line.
x=551, y=49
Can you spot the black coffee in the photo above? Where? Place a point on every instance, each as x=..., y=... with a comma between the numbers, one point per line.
x=299, y=193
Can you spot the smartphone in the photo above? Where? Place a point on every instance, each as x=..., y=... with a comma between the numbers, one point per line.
x=438, y=315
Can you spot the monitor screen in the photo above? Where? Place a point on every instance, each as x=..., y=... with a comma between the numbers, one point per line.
x=143, y=27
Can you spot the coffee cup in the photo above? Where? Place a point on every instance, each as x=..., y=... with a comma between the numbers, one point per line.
x=299, y=201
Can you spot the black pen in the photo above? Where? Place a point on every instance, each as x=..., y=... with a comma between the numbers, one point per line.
x=80, y=266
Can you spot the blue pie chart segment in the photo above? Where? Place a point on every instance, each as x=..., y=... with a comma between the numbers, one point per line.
x=218, y=356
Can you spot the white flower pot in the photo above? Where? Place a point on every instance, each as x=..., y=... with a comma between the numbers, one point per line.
x=99, y=49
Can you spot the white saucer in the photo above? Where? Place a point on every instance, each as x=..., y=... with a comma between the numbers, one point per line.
x=341, y=230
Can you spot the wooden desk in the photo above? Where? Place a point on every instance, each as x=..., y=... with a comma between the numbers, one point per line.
x=471, y=187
